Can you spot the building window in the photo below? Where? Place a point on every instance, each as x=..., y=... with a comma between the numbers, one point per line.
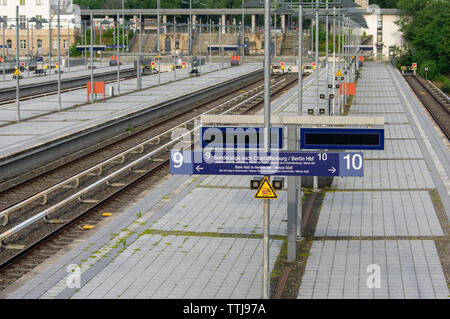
x=5, y=2
x=55, y=44
x=23, y=44
x=38, y=2
x=65, y=44
x=22, y=2
x=9, y=43
x=22, y=22
x=39, y=44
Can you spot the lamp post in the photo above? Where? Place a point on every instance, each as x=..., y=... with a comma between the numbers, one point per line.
x=3, y=22
x=17, y=65
x=59, y=54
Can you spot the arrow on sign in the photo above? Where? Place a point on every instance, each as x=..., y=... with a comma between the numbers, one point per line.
x=332, y=170
x=198, y=168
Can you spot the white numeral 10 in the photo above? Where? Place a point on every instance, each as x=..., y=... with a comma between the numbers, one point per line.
x=355, y=160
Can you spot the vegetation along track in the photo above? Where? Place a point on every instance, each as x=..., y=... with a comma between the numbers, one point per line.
x=437, y=104
x=45, y=214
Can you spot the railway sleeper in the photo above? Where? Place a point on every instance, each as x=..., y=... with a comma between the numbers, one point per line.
x=139, y=151
x=108, y=183
x=99, y=173
x=155, y=141
x=54, y=221
x=12, y=246
x=77, y=183
x=88, y=201
x=137, y=171
x=121, y=161
x=44, y=199
x=5, y=220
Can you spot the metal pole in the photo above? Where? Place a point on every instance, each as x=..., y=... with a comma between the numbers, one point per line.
x=4, y=62
x=123, y=25
x=243, y=32
x=292, y=200
x=139, y=83
x=68, y=43
x=85, y=43
x=210, y=44
x=158, y=26
x=17, y=65
x=28, y=51
x=49, y=37
x=326, y=56
x=266, y=270
x=298, y=181
x=189, y=35
x=59, y=55
x=220, y=48
x=92, y=60
x=174, y=51
x=334, y=56
x=315, y=178
x=200, y=65
x=118, y=56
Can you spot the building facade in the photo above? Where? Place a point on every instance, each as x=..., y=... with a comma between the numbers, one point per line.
x=38, y=25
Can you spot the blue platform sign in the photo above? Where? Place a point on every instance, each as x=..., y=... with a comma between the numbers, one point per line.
x=260, y=163
x=39, y=59
x=343, y=139
x=240, y=137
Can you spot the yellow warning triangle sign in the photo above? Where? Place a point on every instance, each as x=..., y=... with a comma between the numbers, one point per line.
x=339, y=73
x=265, y=190
x=16, y=72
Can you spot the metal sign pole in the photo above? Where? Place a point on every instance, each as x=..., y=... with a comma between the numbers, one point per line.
x=298, y=181
x=292, y=199
x=17, y=65
x=326, y=54
x=138, y=64
x=334, y=54
x=28, y=50
x=59, y=55
x=210, y=45
x=315, y=178
x=68, y=43
x=118, y=55
x=266, y=270
x=4, y=62
x=174, y=51
x=92, y=59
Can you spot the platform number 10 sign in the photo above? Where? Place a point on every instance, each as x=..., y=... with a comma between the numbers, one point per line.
x=351, y=164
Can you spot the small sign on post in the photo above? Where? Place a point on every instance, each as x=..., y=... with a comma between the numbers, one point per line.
x=99, y=88
x=265, y=190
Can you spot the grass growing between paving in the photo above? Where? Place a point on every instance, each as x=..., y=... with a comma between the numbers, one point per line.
x=442, y=243
x=288, y=287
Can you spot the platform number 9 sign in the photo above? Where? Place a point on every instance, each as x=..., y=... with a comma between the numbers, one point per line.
x=177, y=159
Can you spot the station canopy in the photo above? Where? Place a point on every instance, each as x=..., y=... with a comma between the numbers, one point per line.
x=291, y=8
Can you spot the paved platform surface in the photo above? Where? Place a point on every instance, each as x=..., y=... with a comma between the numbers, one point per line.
x=75, y=71
x=43, y=123
x=200, y=237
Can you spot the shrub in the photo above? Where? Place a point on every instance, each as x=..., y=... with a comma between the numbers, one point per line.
x=446, y=86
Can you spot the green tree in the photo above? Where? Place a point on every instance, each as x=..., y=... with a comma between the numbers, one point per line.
x=426, y=25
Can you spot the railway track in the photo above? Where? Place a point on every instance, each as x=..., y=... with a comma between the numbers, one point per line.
x=434, y=102
x=34, y=96
x=44, y=214
x=34, y=90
